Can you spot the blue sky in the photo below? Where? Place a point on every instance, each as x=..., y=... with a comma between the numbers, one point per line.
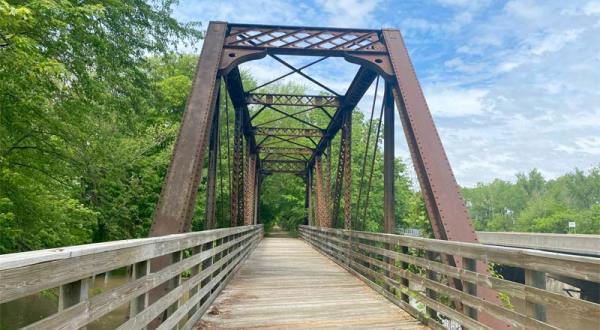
x=512, y=85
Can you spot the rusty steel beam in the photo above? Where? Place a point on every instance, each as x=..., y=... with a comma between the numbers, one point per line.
x=237, y=179
x=308, y=41
x=283, y=166
x=447, y=211
x=177, y=200
x=178, y=196
x=288, y=132
x=389, y=223
x=211, y=180
x=359, y=86
x=281, y=150
x=250, y=190
x=344, y=174
x=233, y=81
x=293, y=100
x=322, y=197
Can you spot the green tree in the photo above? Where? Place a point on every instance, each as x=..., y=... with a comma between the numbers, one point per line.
x=79, y=116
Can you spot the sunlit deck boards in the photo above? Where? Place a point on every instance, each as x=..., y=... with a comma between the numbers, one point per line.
x=286, y=284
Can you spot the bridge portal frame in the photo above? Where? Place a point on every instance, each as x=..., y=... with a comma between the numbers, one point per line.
x=378, y=52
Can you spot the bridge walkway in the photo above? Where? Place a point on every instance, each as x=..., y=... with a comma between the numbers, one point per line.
x=285, y=283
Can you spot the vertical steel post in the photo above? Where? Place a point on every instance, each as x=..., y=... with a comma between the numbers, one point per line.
x=347, y=171
x=389, y=222
x=309, y=205
x=249, y=188
x=238, y=169
x=256, y=193
x=211, y=180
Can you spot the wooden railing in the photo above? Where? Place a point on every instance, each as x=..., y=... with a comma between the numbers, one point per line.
x=409, y=272
x=202, y=264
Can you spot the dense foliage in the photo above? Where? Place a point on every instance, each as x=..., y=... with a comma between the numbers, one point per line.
x=86, y=121
x=534, y=204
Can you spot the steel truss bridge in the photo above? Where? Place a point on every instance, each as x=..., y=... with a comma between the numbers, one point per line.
x=175, y=276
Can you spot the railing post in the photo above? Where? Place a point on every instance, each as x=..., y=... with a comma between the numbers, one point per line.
x=72, y=293
x=139, y=303
x=470, y=288
x=404, y=280
x=538, y=280
x=173, y=283
x=195, y=271
x=432, y=313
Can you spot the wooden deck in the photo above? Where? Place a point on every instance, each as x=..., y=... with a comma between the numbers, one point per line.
x=286, y=284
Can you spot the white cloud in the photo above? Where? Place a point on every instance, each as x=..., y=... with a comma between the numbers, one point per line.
x=447, y=101
x=592, y=8
x=349, y=13
x=555, y=42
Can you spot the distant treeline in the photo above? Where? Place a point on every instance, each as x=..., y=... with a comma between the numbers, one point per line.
x=534, y=204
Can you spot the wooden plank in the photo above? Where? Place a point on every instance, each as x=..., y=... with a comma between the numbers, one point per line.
x=101, y=304
x=573, y=308
x=585, y=268
x=85, y=261
x=287, y=284
x=21, y=259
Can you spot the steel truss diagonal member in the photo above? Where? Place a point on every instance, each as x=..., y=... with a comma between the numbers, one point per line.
x=177, y=199
x=446, y=209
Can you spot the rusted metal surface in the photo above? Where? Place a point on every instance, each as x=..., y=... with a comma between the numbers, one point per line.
x=446, y=208
x=295, y=150
x=293, y=100
x=237, y=206
x=359, y=86
x=305, y=40
x=286, y=284
x=347, y=170
x=322, y=196
x=211, y=176
x=389, y=220
x=283, y=166
x=178, y=196
x=294, y=132
x=283, y=150
x=343, y=179
x=250, y=190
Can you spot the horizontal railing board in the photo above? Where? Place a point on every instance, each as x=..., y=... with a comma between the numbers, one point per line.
x=585, y=268
x=28, y=273
x=32, y=277
x=99, y=305
x=350, y=248
x=21, y=259
x=577, y=308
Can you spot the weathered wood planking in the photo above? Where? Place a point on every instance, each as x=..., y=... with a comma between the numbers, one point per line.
x=367, y=259
x=287, y=284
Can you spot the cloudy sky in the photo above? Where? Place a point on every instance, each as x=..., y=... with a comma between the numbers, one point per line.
x=512, y=85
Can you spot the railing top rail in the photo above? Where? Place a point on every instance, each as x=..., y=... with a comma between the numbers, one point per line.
x=201, y=263
x=582, y=267
x=22, y=259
